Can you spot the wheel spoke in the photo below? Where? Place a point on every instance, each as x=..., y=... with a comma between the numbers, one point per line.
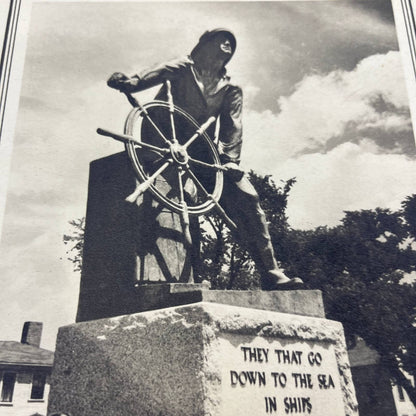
x=148, y=146
x=152, y=177
x=148, y=118
x=184, y=213
x=227, y=219
x=127, y=138
x=144, y=186
x=171, y=110
x=180, y=183
x=200, y=131
x=207, y=165
x=143, y=111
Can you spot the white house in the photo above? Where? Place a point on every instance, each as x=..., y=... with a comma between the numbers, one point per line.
x=25, y=370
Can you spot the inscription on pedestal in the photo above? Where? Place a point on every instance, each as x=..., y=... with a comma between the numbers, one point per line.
x=203, y=359
x=279, y=377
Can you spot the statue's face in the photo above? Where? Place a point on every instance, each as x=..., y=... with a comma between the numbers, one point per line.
x=224, y=44
x=219, y=47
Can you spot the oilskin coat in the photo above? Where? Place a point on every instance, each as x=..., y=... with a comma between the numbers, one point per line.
x=225, y=102
x=239, y=199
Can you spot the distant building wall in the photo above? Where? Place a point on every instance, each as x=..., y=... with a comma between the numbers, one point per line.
x=404, y=405
x=373, y=390
x=376, y=395
x=22, y=404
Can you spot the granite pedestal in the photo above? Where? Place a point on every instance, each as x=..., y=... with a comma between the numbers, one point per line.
x=149, y=342
x=204, y=358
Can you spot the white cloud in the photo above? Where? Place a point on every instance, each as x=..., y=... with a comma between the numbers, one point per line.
x=322, y=106
x=350, y=176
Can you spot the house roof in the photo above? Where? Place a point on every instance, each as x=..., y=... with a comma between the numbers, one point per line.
x=16, y=353
x=361, y=354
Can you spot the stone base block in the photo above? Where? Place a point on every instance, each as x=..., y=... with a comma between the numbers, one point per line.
x=165, y=295
x=126, y=244
x=203, y=359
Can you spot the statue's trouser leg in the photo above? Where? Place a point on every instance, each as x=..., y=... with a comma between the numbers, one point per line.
x=241, y=202
x=195, y=250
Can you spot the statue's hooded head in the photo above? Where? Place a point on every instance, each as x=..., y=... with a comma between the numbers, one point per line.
x=216, y=43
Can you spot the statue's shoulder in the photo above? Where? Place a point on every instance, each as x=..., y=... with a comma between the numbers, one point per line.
x=181, y=63
x=171, y=66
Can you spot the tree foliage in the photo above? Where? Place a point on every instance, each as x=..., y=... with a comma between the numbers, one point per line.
x=359, y=266
x=409, y=213
x=75, y=243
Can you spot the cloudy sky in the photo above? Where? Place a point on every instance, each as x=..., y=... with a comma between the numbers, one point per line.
x=325, y=102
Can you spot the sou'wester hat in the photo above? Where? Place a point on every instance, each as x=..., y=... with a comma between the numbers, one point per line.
x=209, y=35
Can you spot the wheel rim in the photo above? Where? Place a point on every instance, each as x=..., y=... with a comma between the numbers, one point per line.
x=182, y=159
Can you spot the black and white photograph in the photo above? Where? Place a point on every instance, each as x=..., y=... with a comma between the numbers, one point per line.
x=208, y=208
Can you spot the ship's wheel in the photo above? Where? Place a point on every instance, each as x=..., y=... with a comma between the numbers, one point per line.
x=174, y=158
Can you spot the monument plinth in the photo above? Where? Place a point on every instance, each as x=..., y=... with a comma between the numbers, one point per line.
x=203, y=359
x=150, y=342
x=126, y=245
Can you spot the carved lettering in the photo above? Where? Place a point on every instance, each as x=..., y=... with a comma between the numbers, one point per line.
x=255, y=354
x=288, y=357
x=297, y=405
x=303, y=381
x=251, y=378
x=298, y=373
x=325, y=381
x=271, y=404
x=315, y=358
x=279, y=378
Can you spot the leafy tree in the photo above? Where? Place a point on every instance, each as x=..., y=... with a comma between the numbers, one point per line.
x=409, y=212
x=359, y=266
x=75, y=243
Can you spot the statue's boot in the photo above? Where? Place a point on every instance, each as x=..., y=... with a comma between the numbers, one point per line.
x=277, y=280
x=272, y=277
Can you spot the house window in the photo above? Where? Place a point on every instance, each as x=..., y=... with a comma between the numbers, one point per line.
x=8, y=387
x=38, y=386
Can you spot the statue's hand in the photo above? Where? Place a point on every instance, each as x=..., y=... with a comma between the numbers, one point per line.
x=117, y=81
x=234, y=171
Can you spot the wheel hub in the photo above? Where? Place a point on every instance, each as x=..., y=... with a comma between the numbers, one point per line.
x=179, y=154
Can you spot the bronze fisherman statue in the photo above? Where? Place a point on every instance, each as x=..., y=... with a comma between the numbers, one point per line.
x=201, y=87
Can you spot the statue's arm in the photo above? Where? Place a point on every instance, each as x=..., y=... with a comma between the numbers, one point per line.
x=148, y=78
x=231, y=127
